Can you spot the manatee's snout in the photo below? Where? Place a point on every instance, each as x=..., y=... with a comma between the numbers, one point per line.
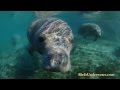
x=57, y=60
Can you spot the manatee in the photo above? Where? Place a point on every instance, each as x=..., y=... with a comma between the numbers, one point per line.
x=90, y=30
x=53, y=39
x=45, y=14
x=91, y=14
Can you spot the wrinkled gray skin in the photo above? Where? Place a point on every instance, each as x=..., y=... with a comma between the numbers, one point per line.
x=90, y=30
x=52, y=38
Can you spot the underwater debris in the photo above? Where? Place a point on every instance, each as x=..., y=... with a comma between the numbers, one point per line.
x=15, y=40
x=53, y=38
x=90, y=31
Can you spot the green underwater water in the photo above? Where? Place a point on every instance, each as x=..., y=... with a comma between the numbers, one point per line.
x=99, y=57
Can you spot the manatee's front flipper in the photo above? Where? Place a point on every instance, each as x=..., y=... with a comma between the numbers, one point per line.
x=30, y=50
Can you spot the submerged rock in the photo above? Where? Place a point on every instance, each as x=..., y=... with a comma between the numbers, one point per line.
x=90, y=31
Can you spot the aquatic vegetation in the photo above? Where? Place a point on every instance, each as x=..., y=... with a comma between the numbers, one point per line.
x=7, y=63
x=83, y=60
x=110, y=67
x=86, y=60
x=26, y=64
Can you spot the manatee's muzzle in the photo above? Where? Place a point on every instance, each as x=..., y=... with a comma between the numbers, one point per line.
x=56, y=60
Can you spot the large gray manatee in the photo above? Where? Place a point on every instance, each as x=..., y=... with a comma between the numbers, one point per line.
x=53, y=38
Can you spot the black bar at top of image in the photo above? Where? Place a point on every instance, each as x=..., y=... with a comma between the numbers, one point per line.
x=59, y=5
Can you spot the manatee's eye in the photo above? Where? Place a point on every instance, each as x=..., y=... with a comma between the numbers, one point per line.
x=41, y=39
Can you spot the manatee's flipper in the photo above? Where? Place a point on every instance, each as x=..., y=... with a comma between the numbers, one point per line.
x=30, y=50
